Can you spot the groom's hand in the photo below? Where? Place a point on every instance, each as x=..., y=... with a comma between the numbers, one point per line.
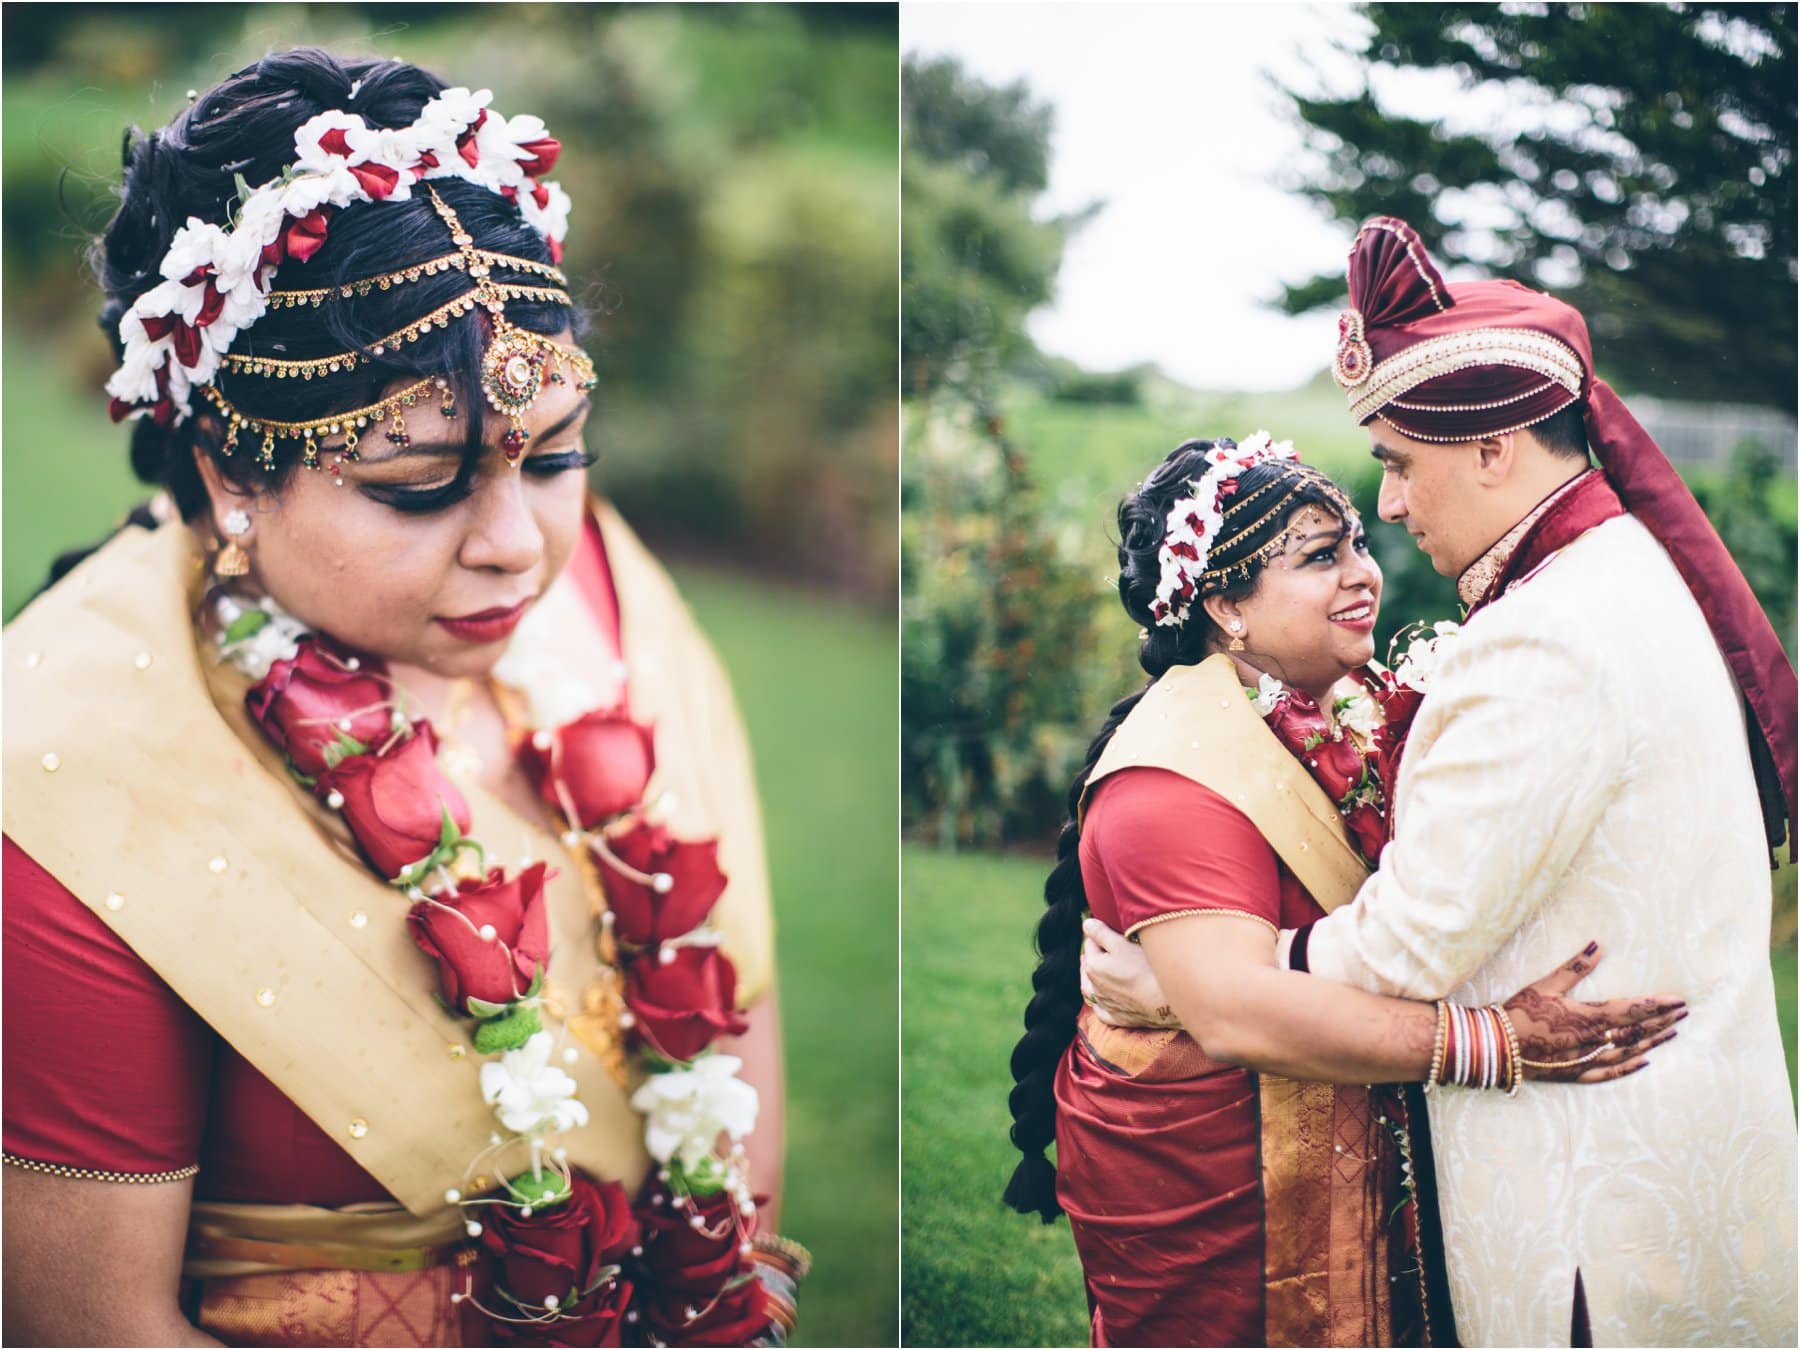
x=1116, y=980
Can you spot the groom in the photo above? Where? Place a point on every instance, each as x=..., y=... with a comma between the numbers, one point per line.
x=1606, y=747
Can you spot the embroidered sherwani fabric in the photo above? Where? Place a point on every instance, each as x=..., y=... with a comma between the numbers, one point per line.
x=1578, y=770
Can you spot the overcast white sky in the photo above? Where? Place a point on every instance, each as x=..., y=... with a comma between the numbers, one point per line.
x=1166, y=113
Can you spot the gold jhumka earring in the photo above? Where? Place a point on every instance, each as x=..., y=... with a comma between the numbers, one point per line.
x=233, y=561
x=514, y=369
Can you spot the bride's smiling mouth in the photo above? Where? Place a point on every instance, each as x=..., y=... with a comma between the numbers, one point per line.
x=1360, y=616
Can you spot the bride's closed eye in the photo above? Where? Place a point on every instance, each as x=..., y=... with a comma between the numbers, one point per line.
x=548, y=466
x=424, y=500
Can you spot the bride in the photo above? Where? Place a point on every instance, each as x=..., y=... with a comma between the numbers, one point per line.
x=387, y=938
x=1231, y=1179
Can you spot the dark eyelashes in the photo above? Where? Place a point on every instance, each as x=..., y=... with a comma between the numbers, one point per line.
x=545, y=466
x=423, y=501
x=1360, y=543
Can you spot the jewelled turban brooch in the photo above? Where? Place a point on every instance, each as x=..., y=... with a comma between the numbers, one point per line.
x=217, y=279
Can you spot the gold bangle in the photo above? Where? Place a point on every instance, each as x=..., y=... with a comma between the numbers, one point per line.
x=1513, y=1059
x=1567, y=1063
x=1437, y=1046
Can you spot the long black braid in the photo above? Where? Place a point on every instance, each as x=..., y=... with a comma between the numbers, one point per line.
x=1056, y=983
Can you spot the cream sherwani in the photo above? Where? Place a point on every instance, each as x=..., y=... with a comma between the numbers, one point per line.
x=1579, y=771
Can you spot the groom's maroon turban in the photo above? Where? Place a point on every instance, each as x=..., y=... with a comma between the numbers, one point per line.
x=1451, y=363
x=1442, y=362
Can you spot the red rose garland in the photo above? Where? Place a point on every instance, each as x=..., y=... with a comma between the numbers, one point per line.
x=1353, y=776
x=570, y=1261
x=685, y=881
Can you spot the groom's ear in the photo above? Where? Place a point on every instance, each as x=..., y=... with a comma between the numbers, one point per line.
x=1495, y=457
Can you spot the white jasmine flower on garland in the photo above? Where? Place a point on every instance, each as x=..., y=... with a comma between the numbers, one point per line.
x=533, y=666
x=1269, y=693
x=529, y=1093
x=1357, y=714
x=1414, y=669
x=685, y=1110
x=254, y=638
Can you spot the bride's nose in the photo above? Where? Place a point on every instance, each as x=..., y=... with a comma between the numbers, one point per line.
x=1364, y=573
x=503, y=534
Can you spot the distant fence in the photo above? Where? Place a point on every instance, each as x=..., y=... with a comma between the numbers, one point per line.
x=1707, y=433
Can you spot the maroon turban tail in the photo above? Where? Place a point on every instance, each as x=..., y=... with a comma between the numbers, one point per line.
x=1443, y=362
x=1654, y=493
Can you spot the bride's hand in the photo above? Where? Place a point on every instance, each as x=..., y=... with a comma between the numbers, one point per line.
x=1587, y=1042
x=1116, y=980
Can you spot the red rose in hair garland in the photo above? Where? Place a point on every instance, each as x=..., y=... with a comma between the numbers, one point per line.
x=565, y=1264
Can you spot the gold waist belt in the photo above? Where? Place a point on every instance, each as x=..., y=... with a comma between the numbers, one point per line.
x=244, y=1239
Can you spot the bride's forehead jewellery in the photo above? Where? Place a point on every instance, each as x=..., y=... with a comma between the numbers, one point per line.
x=1191, y=533
x=217, y=280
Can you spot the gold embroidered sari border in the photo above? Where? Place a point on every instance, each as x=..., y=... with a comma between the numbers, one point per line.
x=99, y=1174
x=1214, y=912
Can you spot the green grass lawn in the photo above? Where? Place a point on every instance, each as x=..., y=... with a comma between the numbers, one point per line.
x=977, y=1273
x=1085, y=456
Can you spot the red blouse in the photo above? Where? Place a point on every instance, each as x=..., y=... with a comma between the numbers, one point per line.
x=1155, y=845
x=107, y=1070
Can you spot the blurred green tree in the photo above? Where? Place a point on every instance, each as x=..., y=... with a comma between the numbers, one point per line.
x=1656, y=170
x=974, y=259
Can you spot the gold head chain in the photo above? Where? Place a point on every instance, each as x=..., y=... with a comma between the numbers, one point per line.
x=1298, y=476
x=514, y=368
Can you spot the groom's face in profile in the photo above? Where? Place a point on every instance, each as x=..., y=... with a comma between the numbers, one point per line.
x=1431, y=489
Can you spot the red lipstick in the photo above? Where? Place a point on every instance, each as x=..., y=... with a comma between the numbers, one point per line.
x=490, y=625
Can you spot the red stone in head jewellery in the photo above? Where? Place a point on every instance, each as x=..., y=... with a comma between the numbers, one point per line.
x=517, y=365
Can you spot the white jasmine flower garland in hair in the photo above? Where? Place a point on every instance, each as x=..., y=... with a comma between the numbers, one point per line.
x=216, y=279
x=1193, y=523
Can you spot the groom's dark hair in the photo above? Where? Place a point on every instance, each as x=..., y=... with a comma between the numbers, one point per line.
x=1056, y=983
x=1564, y=433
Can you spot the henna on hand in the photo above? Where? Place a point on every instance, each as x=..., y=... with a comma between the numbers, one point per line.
x=1588, y=1042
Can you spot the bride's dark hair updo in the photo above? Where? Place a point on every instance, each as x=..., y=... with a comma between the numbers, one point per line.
x=244, y=128
x=1056, y=983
